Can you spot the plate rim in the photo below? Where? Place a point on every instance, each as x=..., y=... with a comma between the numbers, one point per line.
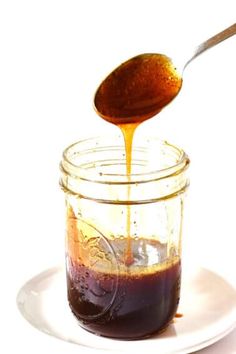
x=59, y=270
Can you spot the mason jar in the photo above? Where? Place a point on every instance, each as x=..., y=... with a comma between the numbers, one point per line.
x=123, y=234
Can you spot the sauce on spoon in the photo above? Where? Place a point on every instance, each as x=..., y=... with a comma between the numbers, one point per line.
x=138, y=89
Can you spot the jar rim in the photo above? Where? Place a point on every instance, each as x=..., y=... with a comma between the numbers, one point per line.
x=76, y=171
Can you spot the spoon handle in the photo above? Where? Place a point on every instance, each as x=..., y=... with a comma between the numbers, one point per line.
x=211, y=42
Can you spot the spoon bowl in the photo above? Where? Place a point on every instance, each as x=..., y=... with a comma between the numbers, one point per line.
x=142, y=86
x=138, y=89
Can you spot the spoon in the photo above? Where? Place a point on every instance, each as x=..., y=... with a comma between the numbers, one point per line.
x=142, y=86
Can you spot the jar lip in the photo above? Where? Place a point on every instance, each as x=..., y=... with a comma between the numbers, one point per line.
x=78, y=172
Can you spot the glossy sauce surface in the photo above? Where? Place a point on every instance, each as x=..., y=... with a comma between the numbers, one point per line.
x=138, y=89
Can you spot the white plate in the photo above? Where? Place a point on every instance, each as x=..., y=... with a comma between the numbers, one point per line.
x=208, y=305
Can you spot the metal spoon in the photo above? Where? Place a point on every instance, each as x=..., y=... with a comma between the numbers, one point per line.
x=142, y=86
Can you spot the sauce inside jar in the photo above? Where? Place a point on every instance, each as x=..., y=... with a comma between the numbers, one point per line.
x=129, y=302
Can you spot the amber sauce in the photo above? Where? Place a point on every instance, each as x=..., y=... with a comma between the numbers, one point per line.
x=138, y=89
x=134, y=92
x=142, y=298
x=128, y=131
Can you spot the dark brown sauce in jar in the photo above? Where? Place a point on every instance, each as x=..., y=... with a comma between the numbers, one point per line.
x=128, y=305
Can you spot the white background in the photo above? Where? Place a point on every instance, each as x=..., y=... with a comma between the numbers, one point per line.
x=53, y=55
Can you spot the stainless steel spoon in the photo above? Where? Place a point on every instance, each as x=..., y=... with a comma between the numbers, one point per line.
x=142, y=86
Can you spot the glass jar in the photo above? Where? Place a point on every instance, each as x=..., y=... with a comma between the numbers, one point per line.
x=123, y=239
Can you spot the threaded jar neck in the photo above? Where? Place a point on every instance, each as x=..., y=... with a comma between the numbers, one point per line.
x=95, y=169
